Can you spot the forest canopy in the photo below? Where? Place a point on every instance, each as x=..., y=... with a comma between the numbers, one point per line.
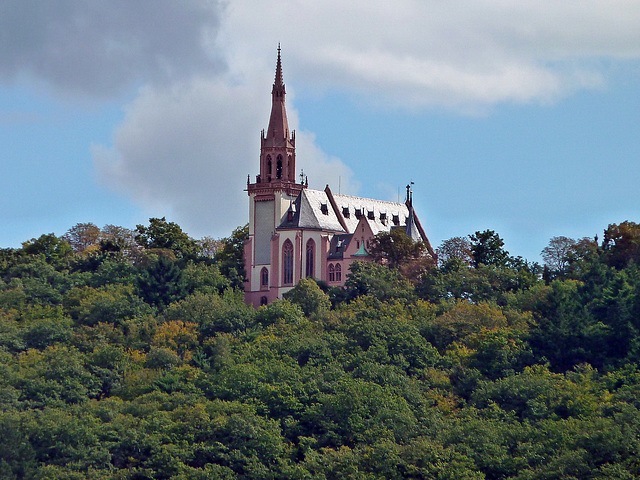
x=130, y=354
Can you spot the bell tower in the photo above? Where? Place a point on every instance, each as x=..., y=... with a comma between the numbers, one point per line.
x=278, y=146
x=270, y=196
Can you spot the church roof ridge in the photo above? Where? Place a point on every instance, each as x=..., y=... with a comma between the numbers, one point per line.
x=339, y=196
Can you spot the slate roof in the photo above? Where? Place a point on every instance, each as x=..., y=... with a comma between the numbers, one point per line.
x=371, y=208
x=314, y=210
x=309, y=212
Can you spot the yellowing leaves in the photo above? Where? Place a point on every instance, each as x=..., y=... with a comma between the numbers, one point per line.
x=177, y=335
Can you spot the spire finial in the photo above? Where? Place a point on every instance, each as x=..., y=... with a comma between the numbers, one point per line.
x=279, y=81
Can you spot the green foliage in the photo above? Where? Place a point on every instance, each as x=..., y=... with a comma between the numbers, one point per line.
x=213, y=313
x=160, y=282
x=367, y=278
x=51, y=247
x=111, y=303
x=201, y=277
x=161, y=234
x=622, y=244
x=230, y=257
x=487, y=249
x=279, y=311
x=308, y=295
x=486, y=283
x=395, y=248
x=121, y=365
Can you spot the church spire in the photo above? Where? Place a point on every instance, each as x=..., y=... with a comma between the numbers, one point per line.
x=278, y=144
x=278, y=131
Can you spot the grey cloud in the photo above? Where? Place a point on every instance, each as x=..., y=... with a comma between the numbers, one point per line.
x=97, y=48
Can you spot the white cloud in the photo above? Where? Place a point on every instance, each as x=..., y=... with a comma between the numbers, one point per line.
x=457, y=53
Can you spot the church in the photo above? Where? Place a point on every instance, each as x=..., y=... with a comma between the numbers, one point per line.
x=297, y=232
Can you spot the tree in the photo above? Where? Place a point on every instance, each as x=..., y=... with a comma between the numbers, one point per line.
x=395, y=248
x=52, y=247
x=622, y=243
x=308, y=295
x=556, y=254
x=120, y=239
x=209, y=246
x=159, y=284
x=167, y=235
x=369, y=278
x=455, y=248
x=83, y=235
x=230, y=257
x=487, y=249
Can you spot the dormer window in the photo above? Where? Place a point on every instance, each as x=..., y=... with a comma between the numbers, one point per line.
x=383, y=218
x=290, y=216
x=371, y=215
x=324, y=209
x=358, y=212
x=345, y=212
x=396, y=220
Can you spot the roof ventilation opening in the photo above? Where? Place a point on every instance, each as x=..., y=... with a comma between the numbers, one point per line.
x=324, y=209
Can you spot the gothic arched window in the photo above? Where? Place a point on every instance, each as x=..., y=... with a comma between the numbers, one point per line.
x=332, y=273
x=279, y=167
x=311, y=246
x=287, y=263
x=264, y=277
x=338, y=272
x=269, y=164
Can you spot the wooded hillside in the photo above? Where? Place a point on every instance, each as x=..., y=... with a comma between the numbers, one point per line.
x=131, y=355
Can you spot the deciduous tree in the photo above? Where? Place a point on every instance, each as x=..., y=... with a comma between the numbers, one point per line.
x=163, y=234
x=83, y=235
x=395, y=248
x=487, y=249
x=308, y=295
x=455, y=248
x=556, y=254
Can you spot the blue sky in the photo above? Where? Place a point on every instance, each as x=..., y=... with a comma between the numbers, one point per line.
x=521, y=117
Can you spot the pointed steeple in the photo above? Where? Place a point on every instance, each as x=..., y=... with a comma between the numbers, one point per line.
x=278, y=131
x=278, y=82
x=278, y=144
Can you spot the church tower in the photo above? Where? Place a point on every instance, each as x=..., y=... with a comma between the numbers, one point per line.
x=271, y=196
x=278, y=146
